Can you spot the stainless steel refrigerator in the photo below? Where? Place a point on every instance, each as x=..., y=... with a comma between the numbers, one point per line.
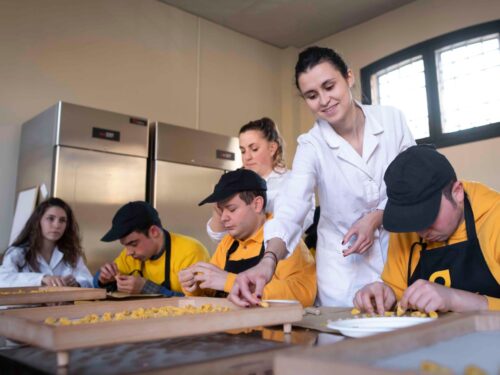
x=95, y=160
x=185, y=165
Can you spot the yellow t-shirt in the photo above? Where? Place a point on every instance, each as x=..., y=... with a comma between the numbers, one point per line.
x=485, y=204
x=185, y=251
x=294, y=278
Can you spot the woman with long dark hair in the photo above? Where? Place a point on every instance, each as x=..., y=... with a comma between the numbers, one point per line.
x=48, y=251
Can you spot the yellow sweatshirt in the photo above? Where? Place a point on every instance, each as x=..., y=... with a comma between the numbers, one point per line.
x=185, y=251
x=485, y=204
x=294, y=278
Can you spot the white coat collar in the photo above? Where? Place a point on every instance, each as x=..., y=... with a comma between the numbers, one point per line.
x=57, y=257
x=345, y=151
x=275, y=174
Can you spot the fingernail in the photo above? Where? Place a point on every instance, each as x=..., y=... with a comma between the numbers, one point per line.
x=259, y=296
x=343, y=242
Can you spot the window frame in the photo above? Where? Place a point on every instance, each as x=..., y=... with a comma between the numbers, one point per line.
x=427, y=50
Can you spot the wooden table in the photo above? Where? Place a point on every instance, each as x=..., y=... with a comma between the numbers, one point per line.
x=28, y=325
x=453, y=342
x=247, y=352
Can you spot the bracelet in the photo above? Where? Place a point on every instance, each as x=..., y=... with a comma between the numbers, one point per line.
x=274, y=256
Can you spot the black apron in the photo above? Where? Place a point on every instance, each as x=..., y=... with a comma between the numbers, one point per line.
x=237, y=266
x=459, y=266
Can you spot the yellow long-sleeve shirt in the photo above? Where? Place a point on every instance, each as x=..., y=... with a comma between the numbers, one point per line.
x=294, y=278
x=185, y=251
x=485, y=204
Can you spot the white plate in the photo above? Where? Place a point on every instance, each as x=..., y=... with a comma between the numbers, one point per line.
x=361, y=327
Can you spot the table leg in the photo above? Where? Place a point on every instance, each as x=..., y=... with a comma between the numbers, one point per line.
x=62, y=359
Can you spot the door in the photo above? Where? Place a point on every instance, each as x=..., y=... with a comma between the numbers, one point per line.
x=96, y=184
x=179, y=188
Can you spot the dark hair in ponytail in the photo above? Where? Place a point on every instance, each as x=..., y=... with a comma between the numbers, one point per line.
x=313, y=56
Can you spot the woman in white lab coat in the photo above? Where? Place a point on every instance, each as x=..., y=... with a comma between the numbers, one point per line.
x=344, y=156
x=261, y=147
x=47, y=252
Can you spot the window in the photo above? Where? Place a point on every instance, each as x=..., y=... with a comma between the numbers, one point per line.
x=448, y=87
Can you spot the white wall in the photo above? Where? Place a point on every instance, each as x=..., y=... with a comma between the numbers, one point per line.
x=136, y=57
x=406, y=26
x=148, y=59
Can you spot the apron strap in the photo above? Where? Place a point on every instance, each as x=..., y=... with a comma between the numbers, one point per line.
x=167, y=246
x=423, y=246
x=168, y=256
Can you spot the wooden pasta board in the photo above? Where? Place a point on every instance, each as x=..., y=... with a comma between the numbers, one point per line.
x=27, y=325
x=357, y=356
x=46, y=294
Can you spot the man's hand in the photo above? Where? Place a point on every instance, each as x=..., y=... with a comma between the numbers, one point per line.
x=108, y=273
x=364, y=230
x=130, y=284
x=373, y=297
x=216, y=222
x=249, y=285
x=53, y=281
x=427, y=296
x=187, y=280
x=209, y=276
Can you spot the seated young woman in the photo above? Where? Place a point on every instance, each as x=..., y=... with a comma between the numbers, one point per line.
x=48, y=251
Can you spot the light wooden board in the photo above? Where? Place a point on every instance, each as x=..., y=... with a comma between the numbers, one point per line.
x=46, y=294
x=27, y=325
x=364, y=356
x=319, y=322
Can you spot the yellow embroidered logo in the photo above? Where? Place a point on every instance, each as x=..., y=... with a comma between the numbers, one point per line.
x=441, y=277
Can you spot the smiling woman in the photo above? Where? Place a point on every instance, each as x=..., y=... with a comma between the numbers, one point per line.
x=47, y=251
x=344, y=156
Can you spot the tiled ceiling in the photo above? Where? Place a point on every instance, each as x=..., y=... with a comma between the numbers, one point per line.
x=287, y=23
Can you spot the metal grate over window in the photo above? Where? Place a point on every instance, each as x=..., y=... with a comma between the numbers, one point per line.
x=403, y=86
x=468, y=76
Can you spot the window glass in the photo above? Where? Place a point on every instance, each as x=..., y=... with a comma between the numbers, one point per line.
x=403, y=86
x=468, y=76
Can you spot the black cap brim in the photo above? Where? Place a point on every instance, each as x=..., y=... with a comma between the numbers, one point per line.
x=113, y=235
x=217, y=197
x=414, y=218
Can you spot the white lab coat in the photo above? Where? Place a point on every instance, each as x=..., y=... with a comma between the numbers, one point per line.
x=15, y=272
x=349, y=186
x=274, y=181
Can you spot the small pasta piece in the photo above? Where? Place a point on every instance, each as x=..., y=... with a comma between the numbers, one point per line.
x=399, y=310
x=474, y=370
x=433, y=315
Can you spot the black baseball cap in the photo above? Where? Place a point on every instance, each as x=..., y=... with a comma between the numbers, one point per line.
x=415, y=180
x=234, y=182
x=132, y=216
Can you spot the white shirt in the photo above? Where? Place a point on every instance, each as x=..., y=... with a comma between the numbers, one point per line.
x=16, y=272
x=349, y=186
x=274, y=181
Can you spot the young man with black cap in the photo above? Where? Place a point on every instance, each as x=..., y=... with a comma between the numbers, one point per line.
x=241, y=196
x=445, y=252
x=152, y=256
